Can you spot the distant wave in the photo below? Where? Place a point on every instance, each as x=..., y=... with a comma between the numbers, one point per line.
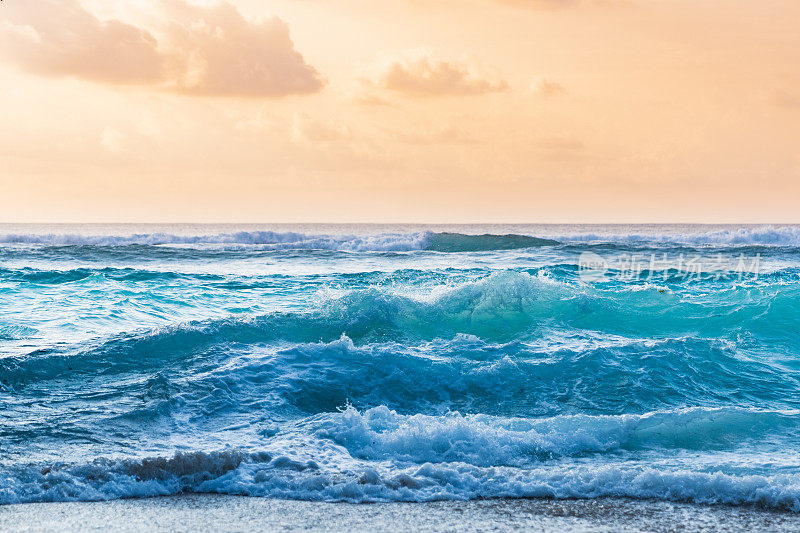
x=459, y=242
x=759, y=236
x=54, y=277
x=389, y=242
x=425, y=240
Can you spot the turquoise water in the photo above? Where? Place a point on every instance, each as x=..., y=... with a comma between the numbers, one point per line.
x=380, y=363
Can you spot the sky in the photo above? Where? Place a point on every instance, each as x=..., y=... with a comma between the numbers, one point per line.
x=426, y=111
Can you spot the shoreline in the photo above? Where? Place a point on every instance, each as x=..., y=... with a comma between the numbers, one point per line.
x=218, y=512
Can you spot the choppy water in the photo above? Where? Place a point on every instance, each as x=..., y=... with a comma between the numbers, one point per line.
x=400, y=363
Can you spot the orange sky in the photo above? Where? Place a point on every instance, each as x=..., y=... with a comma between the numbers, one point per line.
x=400, y=111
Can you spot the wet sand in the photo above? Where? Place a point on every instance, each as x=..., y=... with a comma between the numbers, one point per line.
x=209, y=512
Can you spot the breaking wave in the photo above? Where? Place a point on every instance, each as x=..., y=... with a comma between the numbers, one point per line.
x=756, y=236
x=379, y=455
x=393, y=242
x=780, y=236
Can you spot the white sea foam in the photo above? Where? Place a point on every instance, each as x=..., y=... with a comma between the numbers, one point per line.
x=266, y=239
x=422, y=240
x=285, y=477
x=380, y=455
x=756, y=236
x=380, y=434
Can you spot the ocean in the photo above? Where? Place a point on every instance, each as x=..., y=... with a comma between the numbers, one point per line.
x=366, y=363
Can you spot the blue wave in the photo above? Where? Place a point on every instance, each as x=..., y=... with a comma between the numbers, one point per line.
x=286, y=365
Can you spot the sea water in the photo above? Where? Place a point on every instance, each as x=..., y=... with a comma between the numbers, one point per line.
x=384, y=363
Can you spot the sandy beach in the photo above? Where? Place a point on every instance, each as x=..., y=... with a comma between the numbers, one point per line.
x=210, y=512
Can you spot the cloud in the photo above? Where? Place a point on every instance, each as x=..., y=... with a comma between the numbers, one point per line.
x=782, y=98
x=441, y=135
x=306, y=128
x=427, y=76
x=562, y=142
x=545, y=88
x=562, y=147
x=111, y=139
x=61, y=38
x=367, y=96
x=540, y=4
x=220, y=53
x=557, y=4
x=207, y=51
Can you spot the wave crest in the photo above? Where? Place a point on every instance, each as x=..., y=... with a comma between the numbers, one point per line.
x=756, y=236
x=388, y=242
x=469, y=463
x=382, y=434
